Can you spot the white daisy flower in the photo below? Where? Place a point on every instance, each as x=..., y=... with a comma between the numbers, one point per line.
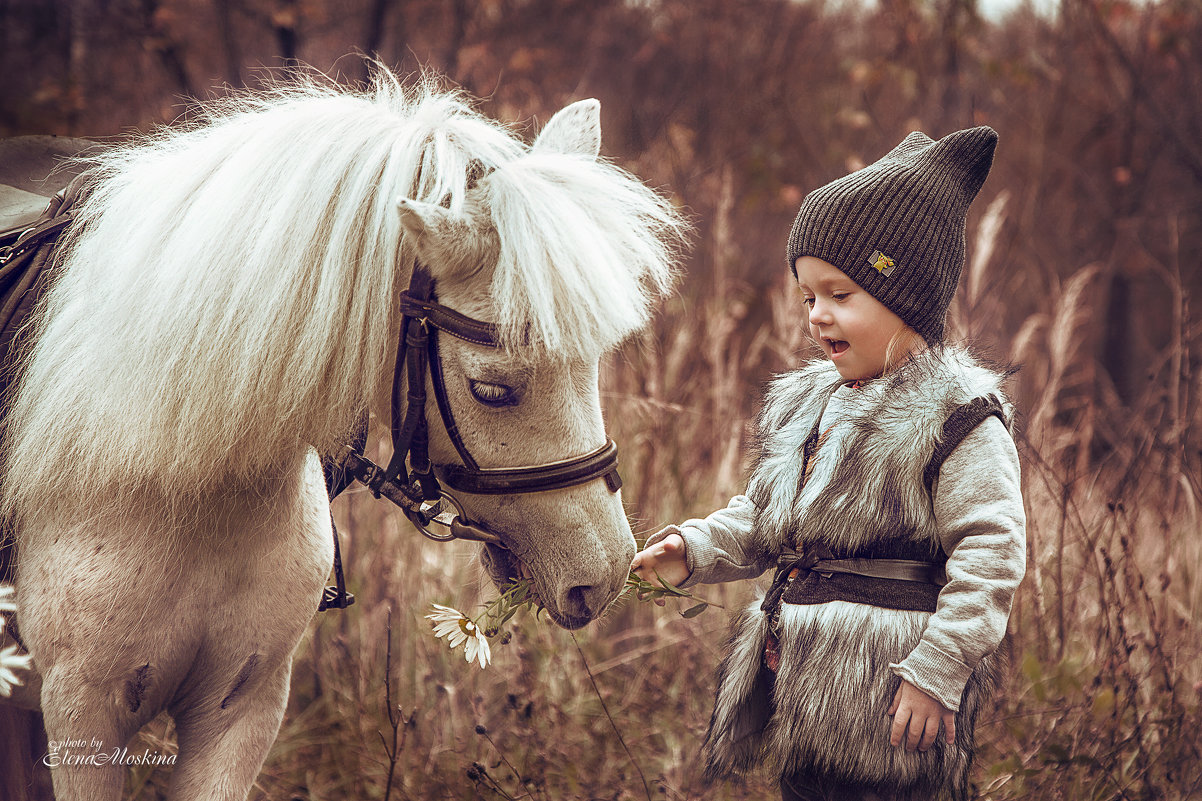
x=10, y=662
x=447, y=623
x=477, y=645
x=459, y=629
x=8, y=598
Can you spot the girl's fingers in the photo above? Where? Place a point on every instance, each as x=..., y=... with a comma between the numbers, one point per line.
x=669, y=545
x=914, y=733
x=898, y=730
x=896, y=701
x=644, y=559
x=930, y=732
x=949, y=728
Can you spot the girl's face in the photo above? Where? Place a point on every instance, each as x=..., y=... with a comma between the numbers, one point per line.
x=853, y=328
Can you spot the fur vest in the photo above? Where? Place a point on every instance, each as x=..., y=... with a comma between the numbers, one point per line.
x=865, y=497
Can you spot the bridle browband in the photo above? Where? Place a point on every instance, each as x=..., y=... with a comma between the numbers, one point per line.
x=409, y=480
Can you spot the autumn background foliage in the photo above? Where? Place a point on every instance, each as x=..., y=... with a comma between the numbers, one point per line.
x=1082, y=262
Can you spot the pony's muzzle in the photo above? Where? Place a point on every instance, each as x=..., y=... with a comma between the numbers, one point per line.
x=586, y=602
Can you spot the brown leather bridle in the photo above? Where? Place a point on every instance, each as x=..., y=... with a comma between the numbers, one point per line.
x=409, y=480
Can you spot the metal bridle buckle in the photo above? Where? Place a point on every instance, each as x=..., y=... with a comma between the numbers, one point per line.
x=436, y=512
x=455, y=521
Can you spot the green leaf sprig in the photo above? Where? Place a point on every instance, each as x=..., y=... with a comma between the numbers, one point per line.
x=657, y=591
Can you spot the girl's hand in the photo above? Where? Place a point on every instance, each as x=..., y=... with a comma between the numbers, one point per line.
x=665, y=558
x=917, y=711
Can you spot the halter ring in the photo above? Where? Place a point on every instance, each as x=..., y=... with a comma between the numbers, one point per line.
x=454, y=520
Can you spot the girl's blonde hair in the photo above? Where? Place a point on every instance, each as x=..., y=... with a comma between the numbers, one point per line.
x=903, y=343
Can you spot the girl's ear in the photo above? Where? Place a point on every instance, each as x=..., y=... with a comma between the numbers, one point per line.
x=574, y=130
x=450, y=244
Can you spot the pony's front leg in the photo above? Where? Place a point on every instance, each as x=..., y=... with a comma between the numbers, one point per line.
x=86, y=727
x=223, y=742
x=106, y=667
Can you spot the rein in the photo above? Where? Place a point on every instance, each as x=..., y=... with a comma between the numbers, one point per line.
x=409, y=480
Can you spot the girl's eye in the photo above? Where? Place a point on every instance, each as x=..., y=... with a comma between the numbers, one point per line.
x=808, y=301
x=841, y=296
x=495, y=395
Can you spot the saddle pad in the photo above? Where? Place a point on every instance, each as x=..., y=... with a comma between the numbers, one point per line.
x=18, y=208
x=40, y=164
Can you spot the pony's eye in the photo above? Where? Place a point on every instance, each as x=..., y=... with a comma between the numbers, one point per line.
x=495, y=395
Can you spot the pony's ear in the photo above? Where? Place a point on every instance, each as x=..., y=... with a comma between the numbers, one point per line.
x=575, y=129
x=451, y=244
x=418, y=218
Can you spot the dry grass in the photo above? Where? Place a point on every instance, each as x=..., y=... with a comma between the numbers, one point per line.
x=1103, y=698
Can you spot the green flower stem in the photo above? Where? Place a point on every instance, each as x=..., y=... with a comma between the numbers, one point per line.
x=519, y=595
x=650, y=591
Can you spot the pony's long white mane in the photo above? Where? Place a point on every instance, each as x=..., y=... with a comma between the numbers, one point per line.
x=582, y=252
x=229, y=294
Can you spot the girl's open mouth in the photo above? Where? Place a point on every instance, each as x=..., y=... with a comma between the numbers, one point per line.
x=837, y=346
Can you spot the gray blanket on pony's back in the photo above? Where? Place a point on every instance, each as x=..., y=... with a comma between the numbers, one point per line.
x=32, y=169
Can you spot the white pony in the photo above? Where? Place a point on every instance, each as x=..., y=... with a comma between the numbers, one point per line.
x=225, y=311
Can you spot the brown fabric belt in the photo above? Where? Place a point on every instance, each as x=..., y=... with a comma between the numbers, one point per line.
x=896, y=569
x=815, y=577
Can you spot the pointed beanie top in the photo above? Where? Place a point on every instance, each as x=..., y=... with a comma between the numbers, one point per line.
x=896, y=227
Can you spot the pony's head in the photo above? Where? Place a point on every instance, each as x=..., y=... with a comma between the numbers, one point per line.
x=562, y=253
x=230, y=298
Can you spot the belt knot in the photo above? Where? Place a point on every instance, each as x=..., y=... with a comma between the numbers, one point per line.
x=789, y=562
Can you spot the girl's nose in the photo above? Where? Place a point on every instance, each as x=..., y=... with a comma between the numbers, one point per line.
x=820, y=312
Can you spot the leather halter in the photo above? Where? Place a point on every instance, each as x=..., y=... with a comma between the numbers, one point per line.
x=409, y=480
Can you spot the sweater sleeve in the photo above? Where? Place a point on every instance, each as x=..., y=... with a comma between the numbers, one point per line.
x=979, y=512
x=717, y=547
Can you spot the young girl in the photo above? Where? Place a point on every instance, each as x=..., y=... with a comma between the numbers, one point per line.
x=886, y=494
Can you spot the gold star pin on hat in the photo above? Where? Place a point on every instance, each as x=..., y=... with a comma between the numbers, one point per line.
x=882, y=264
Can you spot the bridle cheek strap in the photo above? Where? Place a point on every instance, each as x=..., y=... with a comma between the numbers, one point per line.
x=470, y=477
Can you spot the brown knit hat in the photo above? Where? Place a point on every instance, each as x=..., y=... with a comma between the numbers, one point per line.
x=896, y=227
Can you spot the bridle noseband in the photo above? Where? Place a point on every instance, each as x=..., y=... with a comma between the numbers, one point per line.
x=409, y=480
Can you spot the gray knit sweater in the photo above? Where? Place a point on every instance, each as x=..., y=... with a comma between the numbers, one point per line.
x=979, y=511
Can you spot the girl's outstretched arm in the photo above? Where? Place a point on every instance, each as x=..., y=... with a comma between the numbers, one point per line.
x=664, y=558
x=715, y=548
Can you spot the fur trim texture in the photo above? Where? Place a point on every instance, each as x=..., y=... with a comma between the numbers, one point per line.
x=869, y=472
x=832, y=691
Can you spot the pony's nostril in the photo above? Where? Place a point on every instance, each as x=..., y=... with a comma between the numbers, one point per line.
x=577, y=605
